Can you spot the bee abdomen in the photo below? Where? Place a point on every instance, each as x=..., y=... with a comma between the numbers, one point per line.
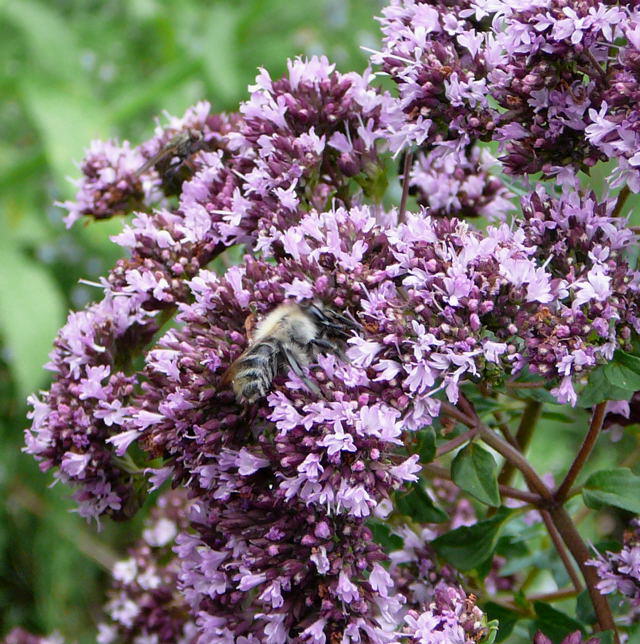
x=255, y=371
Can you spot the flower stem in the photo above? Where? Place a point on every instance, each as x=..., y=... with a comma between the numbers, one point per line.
x=530, y=417
x=408, y=161
x=575, y=544
x=449, y=446
x=458, y=415
x=535, y=483
x=562, y=551
x=622, y=197
x=525, y=385
x=557, y=595
x=583, y=454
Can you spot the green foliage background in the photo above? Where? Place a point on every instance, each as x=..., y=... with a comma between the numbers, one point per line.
x=75, y=70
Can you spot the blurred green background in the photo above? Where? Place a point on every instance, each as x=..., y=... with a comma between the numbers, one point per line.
x=73, y=71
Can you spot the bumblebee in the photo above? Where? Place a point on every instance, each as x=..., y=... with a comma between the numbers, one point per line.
x=289, y=337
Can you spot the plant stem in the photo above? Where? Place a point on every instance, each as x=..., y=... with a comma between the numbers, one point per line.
x=555, y=596
x=622, y=197
x=583, y=454
x=504, y=429
x=456, y=414
x=581, y=554
x=525, y=385
x=562, y=551
x=592, y=59
x=408, y=161
x=449, y=446
x=530, y=417
x=535, y=483
x=520, y=495
x=559, y=516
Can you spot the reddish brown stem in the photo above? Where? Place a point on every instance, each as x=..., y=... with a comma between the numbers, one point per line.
x=622, y=197
x=520, y=495
x=525, y=385
x=528, y=422
x=449, y=446
x=535, y=483
x=581, y=554
x=453, y=412
x=562, y=551
x=406, y=170
x=583, y=454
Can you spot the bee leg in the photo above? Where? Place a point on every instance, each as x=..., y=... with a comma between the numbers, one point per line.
x=345, y=321
x=329, y=347
x=325, y=346
x=292, y=361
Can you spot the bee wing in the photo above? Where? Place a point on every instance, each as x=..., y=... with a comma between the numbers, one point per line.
x=167, y=149
x=149, y=163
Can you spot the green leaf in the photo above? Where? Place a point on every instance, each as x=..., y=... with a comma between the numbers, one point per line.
x=619, y=375
x=553, y=623
x=469, y=546
x=31, y=312
x=506, y=618
x=417, y=504
x=618, y=487
x=628, y=360
x=584, y=608
x=382, y=534
x=606, y=637
x=427, y=445
x=510, y=547
x=475, y=471
x=599, y=389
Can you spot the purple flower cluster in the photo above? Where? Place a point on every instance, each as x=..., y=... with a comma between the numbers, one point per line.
x=596, y=308
x=74, y=422
x=551, y=72
x=451, y=618
x=438, y=60
x=143, y=602
x=110, y=184
x=283, y=501
x=308, y=138
x=619, y=572
x=77, y=432
x=276, y=542
x=460, y=184
x=431, y=296
x=537, y=77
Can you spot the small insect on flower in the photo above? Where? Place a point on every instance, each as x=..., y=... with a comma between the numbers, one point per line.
x=171, y=161
x=290, y=336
